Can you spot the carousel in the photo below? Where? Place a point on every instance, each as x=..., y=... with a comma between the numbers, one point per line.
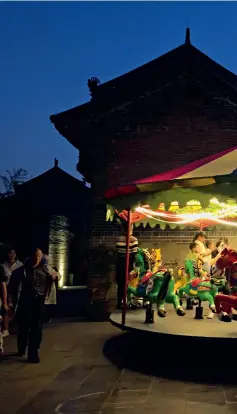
x=201, y=195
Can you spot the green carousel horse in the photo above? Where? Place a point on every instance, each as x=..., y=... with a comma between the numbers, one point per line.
x=158, y=286
x=142, y=264
x=149, y=284
x=149, y=288
x=195, y=287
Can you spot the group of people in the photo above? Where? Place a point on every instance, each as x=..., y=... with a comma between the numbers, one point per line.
x=205, y=253
x=27, y=292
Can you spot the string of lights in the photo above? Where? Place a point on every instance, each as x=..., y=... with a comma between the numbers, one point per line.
x=218, y=217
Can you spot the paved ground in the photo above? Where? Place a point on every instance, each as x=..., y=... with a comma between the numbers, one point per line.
x=77, y=375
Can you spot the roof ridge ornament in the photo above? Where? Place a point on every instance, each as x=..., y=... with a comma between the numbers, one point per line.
x=187, y=37
x=92, y=84
x=55, y=162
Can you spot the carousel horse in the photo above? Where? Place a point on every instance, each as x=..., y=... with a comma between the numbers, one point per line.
x=181, y=279
x=189, y=286
x=144, y=262
x=141, y=266
x=186, y=273
x=202, y=289
x=218, y=276
x=225, y=304
x=150, y=287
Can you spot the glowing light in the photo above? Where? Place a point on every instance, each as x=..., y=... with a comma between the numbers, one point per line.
x=162, y=206
x=174, y=206
x=214, y=201
x=194, y=203
x=59, y=246
x=218, y=217
x=163, y=221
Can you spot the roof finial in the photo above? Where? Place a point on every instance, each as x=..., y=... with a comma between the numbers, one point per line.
x=55, y=162
x=187, y=37
x=92, y=84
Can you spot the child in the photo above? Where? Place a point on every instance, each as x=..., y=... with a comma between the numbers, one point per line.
x=209, y=261
x=196, y=260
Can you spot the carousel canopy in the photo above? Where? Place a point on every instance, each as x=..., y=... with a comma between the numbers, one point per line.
x=214, y=176
x=200, y=194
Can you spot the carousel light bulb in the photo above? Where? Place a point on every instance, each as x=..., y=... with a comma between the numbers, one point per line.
x=214, y=201
x=174, y=206
x=195, y=204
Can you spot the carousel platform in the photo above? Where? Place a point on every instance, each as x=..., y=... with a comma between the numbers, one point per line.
x=178, y=326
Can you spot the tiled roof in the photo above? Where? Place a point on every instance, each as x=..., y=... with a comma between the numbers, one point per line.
x=185, y=59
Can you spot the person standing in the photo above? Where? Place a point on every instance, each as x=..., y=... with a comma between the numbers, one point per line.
x=221, y=274
x=3, y=307
x=51, y=294
x=209, y=259
x=30, y=313
x=121, y=259
x=210, y=247
x=13, y=271
x=199, y=239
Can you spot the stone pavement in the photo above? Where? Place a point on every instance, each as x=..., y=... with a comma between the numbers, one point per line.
x=76, y=375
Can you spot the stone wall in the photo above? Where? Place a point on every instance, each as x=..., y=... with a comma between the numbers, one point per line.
x=59, y=246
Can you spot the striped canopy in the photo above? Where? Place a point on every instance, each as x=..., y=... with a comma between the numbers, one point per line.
x=214, y=176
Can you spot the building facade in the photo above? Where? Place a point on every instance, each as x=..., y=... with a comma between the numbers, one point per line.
x=173, y=110
x=52, y=212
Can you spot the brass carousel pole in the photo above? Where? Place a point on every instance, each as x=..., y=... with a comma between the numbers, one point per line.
x=127, y=268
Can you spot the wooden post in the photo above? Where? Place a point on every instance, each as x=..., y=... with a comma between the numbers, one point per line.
x=127, y=269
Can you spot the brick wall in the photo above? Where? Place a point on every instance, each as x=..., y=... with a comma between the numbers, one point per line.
x=177, y=142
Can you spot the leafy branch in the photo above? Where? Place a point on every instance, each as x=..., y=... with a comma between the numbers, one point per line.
x=12, y=179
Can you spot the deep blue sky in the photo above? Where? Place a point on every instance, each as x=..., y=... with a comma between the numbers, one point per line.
x=49, y=50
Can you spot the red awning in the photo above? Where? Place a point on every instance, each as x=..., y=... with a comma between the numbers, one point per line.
x=222, y=163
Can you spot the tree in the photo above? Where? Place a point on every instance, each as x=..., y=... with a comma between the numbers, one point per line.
x=12, y=179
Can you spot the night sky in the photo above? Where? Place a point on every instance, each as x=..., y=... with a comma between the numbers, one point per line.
x=49, y=50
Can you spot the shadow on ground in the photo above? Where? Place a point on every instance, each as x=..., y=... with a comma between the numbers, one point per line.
x=173, y=357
